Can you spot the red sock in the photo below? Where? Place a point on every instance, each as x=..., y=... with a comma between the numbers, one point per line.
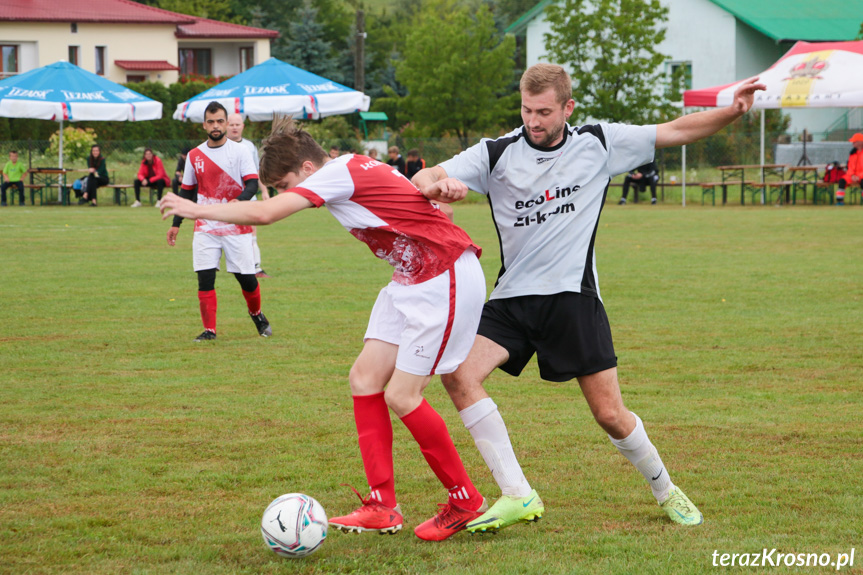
x=429, y=430
x=208, y=303
x=375, y=433
x=253, y=300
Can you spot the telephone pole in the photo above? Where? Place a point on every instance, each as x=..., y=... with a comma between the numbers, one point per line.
x=360, y=53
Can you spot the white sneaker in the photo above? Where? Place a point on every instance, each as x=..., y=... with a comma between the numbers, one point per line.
x=158, y=204
x=137, y=204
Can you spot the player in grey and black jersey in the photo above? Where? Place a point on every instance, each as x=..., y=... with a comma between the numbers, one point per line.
x=546, y=183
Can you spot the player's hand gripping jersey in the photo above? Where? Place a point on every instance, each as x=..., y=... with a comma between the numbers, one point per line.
x=380, y=207
x=546, y=202
x=220, y=174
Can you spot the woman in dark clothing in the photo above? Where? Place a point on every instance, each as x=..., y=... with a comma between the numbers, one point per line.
x=98, y=175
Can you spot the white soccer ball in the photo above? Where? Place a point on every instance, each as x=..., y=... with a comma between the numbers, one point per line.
x=294, y=525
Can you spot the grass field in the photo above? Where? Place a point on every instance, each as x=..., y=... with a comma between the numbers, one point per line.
x=127, y=448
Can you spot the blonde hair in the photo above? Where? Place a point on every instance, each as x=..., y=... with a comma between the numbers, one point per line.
x=285, y=150
x=540, y=77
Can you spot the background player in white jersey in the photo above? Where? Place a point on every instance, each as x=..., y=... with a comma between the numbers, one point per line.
x=414, y=330
x=236, y=124
x=547, y=182
x=221, y=171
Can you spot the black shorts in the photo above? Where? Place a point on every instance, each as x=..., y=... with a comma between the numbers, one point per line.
x=569, y=333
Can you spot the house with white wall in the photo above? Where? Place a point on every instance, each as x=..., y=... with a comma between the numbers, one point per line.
x=125, y=41
x=722, y=41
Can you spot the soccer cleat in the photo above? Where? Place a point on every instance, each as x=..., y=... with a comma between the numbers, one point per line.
x=622, y=202
x=206, y=336
x=508, y=511
x=261, y=274
x=371, y=516
x=137, y=204
x=264, y=329
x=680, y=509
x=653, y=201
x=450, y=520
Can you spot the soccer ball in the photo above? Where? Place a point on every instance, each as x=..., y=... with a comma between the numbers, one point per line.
x=294, y=525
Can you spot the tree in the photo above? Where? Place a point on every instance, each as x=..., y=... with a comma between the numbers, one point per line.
x=456, y=68
x=307, y=47
x=611, y=47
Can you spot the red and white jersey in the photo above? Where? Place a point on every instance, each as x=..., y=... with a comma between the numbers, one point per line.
x=380, y=207
x=220, y=174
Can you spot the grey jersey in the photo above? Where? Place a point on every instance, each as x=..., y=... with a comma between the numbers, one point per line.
x=546, y=202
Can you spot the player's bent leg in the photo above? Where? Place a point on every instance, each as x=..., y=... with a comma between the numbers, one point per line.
x=626, y=431
x=464, y=385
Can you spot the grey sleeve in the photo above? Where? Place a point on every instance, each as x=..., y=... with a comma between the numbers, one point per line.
x=470, y=167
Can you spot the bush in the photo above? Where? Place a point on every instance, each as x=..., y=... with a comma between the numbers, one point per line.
x=76, y=143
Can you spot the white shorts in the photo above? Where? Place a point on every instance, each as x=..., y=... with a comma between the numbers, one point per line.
x=207, y=251
x=434, y=322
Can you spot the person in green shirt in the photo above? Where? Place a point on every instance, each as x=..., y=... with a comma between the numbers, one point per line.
x=13, y=175
x=98, y=175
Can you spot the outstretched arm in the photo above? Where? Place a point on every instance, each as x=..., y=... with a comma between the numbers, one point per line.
x=434, y=184
x=243, y=213
x=691, y=128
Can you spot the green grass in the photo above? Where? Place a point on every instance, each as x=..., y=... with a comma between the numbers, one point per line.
x=127, y=448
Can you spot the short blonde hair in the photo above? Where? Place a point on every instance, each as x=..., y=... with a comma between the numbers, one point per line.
x=540, y=77
x=393, y=150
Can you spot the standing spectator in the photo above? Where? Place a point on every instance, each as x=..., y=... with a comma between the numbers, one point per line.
x=640, y=178
x=221, y=171
x=98, y=175
x=415, y=163
x=13, y=175
x=335, y=152
x=178, y=172
x=236, y=125
x=151, y=174
x=372, y=153
x=854, y=173
x=396, y=159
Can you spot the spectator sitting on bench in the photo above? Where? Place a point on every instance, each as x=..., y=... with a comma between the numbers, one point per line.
x=151, y=174
x=854, y=173
x=178, y=173
x=13, y=174
x=641, y=177
x=98, y=175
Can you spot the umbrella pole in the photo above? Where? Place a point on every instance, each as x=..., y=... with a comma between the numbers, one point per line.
x=59, y=185
x=763, y=199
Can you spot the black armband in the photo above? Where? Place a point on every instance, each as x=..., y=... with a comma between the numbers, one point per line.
x=250, y=189
x=191, y=195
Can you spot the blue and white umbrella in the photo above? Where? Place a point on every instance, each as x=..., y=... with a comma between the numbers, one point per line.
x=65, y=92
x=276, y=88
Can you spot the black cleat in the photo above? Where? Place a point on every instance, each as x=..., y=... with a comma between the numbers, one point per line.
x=264, y=329
x=206, y=336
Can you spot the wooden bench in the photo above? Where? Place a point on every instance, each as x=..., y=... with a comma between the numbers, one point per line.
x=710, y=188
x=35, y=189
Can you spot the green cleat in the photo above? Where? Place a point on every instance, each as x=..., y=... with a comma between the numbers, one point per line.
x=680, y=509
x=508, y=511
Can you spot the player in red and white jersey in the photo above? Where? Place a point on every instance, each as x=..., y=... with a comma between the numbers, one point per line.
x=414, y=330
x=221, y=171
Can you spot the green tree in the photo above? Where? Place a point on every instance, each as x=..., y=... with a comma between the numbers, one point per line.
x=307, y=46
x=611, y=47
x=456, y=68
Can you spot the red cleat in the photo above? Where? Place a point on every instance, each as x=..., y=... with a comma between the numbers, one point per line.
x=450, y=520
x=372, y=516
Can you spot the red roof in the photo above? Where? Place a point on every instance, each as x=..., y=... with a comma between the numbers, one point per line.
x=145, y=65
x=204, y=28
x=117, y=11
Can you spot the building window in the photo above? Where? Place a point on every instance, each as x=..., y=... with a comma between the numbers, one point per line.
x=9, y=65
x=247, y=58
x=100, y=60
x=74, y=27
x=73, y=55
x=135, y=78
x=684, y=70
x=196, y=61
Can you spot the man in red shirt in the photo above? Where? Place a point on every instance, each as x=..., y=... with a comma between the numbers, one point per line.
x=413, y=330
x=854, y=173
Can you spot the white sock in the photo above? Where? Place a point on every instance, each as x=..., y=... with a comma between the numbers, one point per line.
x=636, y=447
x=488, y=430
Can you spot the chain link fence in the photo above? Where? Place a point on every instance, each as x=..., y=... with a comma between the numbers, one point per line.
x=702, y=158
